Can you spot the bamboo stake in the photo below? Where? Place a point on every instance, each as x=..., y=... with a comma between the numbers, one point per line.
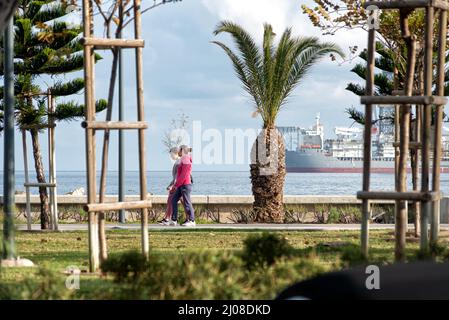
x=90, y=136
x=426, y=205
x=141, y=117
x=27, y=181
x=367, y=142
x=435, y=221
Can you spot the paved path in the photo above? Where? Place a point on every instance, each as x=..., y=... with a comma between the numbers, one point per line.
x=237, y=227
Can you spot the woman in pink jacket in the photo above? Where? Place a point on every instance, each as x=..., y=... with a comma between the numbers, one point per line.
x=183, y=188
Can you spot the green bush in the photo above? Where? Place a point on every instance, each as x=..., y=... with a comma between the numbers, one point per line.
x=44, y=285
x=211, y=275
x=352, y=255
x=437, y=252
x=262, y=250
x=128, y=266
x=334, y=216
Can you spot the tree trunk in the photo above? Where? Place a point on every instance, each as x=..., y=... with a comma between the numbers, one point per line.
x=267, y=176
x=40, y=176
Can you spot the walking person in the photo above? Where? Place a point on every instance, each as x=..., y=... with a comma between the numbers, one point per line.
x=183, y=188
x=174, y=155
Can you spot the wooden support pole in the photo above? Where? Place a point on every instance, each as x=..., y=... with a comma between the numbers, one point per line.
x=128, y=205
x=438, y=121
x=403, y=100
x=411, y=145
x=406, y=195
x=50, y=193
x=114, y=125
x=52, y=156
x=397, y=111
x=425, y=158
x=366, y=211
x=39, y=184
x=402, y=205
x=27, y=181
x=53, y=170
x=415, y=173
x=89, y=61
x=141, y=133
x=51, y=164
x=104, y=44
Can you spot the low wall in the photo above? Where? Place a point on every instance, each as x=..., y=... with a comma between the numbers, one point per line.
x=235, y=208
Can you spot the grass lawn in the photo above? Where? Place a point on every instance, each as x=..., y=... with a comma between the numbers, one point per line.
x=57, y=251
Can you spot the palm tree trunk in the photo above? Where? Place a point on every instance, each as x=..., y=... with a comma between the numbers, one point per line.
x=40, y=176
x=267, y=176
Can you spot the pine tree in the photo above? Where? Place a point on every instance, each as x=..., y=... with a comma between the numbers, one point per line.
x=45, y=45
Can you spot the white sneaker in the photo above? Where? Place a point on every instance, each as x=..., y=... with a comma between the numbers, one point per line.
x=189, y=224
x=173, y=223
x=164, y=222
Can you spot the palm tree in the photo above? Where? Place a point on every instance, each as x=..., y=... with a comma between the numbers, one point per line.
x=45, y=45
x=270, y=74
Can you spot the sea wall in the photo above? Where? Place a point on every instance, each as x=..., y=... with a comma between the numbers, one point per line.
x=235, y=208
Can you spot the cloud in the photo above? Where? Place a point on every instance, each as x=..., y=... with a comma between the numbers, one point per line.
x=251, y=14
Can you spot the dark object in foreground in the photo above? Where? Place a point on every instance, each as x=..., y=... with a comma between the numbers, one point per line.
x=419, y=280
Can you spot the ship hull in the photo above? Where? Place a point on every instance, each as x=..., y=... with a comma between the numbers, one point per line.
x=315, y=161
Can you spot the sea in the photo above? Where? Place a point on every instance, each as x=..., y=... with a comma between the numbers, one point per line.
x=228, y=183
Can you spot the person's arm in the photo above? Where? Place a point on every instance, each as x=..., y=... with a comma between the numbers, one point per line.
x=178, y=180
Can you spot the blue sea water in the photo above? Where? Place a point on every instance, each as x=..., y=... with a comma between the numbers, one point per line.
x=228, y=183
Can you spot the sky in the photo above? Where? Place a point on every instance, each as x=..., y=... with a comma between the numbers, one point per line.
x=185, y=73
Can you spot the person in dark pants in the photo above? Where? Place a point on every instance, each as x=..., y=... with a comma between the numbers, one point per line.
x=183, y=188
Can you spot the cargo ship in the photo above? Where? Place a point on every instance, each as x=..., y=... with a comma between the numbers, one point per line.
x=307, y=150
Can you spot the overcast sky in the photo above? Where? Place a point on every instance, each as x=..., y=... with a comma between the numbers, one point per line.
x=184, y=72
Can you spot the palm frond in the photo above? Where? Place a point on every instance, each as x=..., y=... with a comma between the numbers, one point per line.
x=271, y=73
x=248, y=51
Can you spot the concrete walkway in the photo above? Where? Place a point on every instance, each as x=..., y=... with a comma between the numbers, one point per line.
x=236, y=227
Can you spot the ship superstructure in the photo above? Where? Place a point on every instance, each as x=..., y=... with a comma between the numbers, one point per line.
x=307, y=150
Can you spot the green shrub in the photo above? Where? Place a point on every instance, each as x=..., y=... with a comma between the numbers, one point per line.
x=263, y=250
x=127, y=266
x=436, y=251
x=352, y=255
x=211, y=275
x=43, y=285
x=334, y=215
